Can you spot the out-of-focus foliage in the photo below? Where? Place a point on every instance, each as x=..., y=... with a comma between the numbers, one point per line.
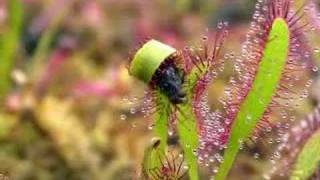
x=9, y=40
x=70, y=109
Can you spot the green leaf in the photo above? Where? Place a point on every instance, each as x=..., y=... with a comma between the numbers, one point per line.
x=153, y=157
x=187, y=127
x=148, y=59
x=308, y=159
x=259, y=97
x=144, y=64
x=188, y=138
x=161, y=119
x=9, y=43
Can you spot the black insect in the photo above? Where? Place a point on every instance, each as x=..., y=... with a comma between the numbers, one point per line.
x=169, y=79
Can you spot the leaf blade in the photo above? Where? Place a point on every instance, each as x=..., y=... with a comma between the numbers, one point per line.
x=258, y=98
x=188, y=139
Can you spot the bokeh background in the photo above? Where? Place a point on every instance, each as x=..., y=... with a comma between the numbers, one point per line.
x=72, y=111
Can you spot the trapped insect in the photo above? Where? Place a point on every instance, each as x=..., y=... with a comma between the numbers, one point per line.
x=169, y=79
x=162, y=72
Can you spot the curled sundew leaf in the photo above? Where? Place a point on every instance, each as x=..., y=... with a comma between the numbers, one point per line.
x=270, y=56
x=197, y=68
x=166, y=115
x=148, y=59
x=143, y=66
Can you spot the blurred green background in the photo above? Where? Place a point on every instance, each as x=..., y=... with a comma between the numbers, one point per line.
x=69, y=108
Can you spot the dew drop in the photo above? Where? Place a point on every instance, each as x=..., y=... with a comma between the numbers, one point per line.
x=256, y=155
x=133, y=110
x=215, y=170
x=130, y=102
x=273, y=161
x=240, y=144
x=315, y=69
x=266, y=177
x=123, y=117
x=125, y=99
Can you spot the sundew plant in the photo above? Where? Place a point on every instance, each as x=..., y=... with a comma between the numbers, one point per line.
x=259, y=100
